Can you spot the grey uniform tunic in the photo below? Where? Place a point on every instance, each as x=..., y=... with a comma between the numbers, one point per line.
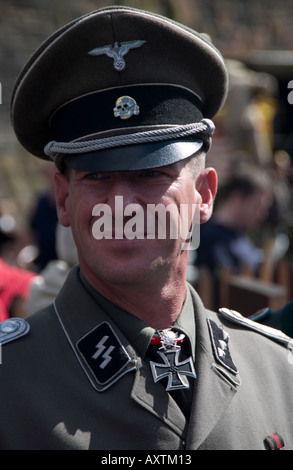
x=79, y=379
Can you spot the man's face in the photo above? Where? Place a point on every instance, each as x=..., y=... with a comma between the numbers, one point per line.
x=112, y=219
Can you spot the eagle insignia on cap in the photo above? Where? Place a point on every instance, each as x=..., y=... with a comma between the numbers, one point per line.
x=117, y=52
x=125, y=107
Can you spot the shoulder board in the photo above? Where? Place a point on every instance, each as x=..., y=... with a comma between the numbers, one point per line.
x=272, y=333
x=12, y=329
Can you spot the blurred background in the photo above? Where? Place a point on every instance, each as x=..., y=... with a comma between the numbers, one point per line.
x=254, y=129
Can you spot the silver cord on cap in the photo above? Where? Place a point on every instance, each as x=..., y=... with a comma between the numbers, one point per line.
x=205, y=126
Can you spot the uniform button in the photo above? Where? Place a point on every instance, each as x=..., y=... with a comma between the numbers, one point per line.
x=8, y=326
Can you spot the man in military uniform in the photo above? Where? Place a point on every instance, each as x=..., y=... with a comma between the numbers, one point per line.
x=127, y=357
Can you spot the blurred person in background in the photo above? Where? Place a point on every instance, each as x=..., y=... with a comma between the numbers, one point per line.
x=14, y=280
x=242, y=204
x=44, y=287
x=43, y=222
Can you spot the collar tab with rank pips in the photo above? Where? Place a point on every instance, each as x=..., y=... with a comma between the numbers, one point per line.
x=104, y=356
x=171, y=367
x=222, y=355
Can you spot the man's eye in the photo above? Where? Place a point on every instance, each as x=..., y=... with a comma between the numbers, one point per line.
x=96, y=175
x=151, y=173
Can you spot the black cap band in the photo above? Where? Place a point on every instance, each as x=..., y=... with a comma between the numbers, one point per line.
x=94, y=113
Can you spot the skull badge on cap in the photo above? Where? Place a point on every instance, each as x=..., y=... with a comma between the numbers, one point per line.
x=126, y=107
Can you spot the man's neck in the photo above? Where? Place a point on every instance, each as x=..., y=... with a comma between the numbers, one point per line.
x=158, y=306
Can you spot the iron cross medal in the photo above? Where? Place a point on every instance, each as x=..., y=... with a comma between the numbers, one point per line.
x=171, y=368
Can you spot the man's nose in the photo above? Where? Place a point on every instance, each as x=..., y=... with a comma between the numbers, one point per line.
x=122, y=190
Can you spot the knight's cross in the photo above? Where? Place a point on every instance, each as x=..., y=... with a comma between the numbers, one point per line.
x=173, y=369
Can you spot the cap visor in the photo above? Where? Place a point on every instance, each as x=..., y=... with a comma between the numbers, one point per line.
x=134, y=157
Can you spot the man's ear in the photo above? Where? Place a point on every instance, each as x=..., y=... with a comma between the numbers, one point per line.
x=206, y=185
x=62, y=192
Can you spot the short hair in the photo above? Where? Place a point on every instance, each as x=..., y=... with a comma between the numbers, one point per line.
x=196, y=162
